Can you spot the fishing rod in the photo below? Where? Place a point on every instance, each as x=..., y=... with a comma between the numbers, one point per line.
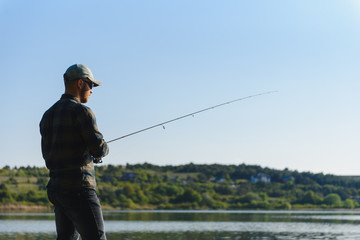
x=190, y=114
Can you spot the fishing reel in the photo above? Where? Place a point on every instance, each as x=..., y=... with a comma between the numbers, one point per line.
x=96, y=160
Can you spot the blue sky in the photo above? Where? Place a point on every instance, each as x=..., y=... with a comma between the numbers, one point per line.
x=162, y=59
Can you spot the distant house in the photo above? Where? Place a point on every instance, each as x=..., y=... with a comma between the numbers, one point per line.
x=129, y=176
x=219, y=179
x=188, y=180
x=174, y=178
x=260, y=177
x=232, y=185
x=242, y=182
x=288, y=178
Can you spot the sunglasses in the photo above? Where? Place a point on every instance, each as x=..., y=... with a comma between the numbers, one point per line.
x=90, y=84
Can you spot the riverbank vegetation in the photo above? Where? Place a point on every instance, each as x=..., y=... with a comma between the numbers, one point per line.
x=193, y=186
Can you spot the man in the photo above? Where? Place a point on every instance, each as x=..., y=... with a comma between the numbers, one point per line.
x=71, y=143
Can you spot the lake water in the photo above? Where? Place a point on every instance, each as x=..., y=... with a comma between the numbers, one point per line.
x=202, y=225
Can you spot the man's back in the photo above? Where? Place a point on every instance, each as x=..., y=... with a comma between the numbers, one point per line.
x=69, y=138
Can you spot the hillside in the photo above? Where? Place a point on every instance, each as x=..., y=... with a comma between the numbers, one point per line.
x=193, y=186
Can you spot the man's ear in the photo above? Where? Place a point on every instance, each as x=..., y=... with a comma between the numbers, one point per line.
x=79, y=83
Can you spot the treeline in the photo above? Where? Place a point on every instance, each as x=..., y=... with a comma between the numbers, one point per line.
x=194, y=186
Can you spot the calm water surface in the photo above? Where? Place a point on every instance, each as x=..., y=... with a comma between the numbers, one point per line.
x=173, y=225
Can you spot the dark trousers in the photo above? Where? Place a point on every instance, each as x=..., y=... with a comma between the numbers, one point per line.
x=77, y=213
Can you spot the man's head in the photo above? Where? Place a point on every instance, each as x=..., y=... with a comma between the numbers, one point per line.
x=80, y=71
x=79, y=82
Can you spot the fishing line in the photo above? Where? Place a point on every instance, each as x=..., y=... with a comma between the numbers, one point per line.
x=190, y=114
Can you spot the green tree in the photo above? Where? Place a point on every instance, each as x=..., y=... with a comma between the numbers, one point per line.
x=264, y=197
x=333, y=200
x=170, y=190
x=12, y=180
x=5, y=194
x=349, y=203
x=223, y=189
x=41, y=182
x=309, y=197
x=129, y=190
x=249, y=197
x=190, y=196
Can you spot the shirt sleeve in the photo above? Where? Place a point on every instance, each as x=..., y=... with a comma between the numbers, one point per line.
x=91, y=135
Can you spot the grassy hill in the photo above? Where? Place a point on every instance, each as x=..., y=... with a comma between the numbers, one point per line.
x=193, y=186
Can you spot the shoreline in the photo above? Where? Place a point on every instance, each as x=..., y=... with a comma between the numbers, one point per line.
x=21, y=208
x=14, y=208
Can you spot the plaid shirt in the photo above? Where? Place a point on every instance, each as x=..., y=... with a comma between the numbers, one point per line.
x=70, y=140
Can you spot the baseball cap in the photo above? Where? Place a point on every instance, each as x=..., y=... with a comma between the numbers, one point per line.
x=77, y=71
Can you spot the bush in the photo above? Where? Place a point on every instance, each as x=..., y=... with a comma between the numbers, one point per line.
x=223, y=189
x=189, y=196
x=333, y=200
x=249, y=197
x=349, y=203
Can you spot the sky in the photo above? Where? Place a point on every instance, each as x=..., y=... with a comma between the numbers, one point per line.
x=159, y=60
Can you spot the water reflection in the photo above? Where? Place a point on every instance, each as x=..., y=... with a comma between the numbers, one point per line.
x=248, y=216
x=141, y=225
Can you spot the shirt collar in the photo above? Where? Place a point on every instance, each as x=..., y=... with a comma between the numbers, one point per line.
x=69, y=96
